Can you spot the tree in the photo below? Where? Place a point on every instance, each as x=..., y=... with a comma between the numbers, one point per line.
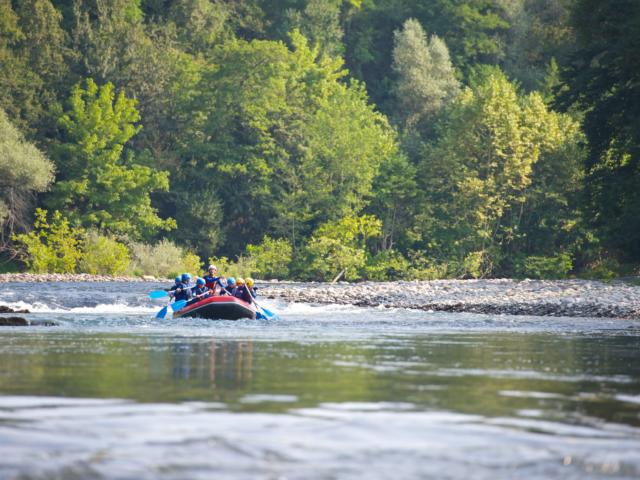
x=319, y=21
x=477, y=176
x=282, y=141
x=99, y=184
x=24, y=171
x=341, y=246
x=425, y=77
x=53, y=246
x=603, y=80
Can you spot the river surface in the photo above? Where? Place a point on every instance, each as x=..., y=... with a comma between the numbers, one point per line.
x=325, y=392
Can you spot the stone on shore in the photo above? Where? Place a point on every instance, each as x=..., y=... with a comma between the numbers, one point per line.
x=571, y=298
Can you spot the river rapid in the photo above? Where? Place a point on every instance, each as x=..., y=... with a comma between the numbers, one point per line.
x=324, y=392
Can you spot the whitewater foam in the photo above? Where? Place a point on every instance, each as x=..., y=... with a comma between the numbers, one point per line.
x=96, y=309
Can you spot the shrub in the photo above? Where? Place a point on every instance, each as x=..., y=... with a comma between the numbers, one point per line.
x=51, y=247
x=164, y=259
x=423, y=268
x=329, y=256
x=103, y=255
x=387, y=265
x=243, y=267
x=554, y=267
x=271, y=258
x=605, y=269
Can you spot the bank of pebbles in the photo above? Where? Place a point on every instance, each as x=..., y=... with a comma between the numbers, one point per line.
x=71, y=277
x=573, y=298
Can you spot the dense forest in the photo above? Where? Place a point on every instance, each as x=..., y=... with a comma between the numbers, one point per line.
x=380, y=139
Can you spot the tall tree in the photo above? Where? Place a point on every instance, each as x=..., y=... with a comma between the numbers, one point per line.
x=24, y=171
x=603, y=78
x=282, y=141
x=99, y=183
x=425, y=77
x=476, y=177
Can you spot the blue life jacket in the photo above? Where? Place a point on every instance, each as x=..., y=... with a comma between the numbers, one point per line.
x=183, y=292
x=200, y=290
x=243, y=294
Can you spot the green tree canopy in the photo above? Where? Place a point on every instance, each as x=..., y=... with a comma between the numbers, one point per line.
x=604, y=81
x=24, y=170
x=99, y=185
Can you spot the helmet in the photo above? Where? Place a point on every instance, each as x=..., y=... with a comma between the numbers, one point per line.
x=249, y=282
x=186, y=277
x=231, y=281
x=212, y=267
x=200, y=281
x=178, y=279
x=240, y=281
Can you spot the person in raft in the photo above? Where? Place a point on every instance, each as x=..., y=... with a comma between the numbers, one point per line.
x=243, y=291
x=200, y=291
x=250, y=284
x=183, y=292
x=212, y=280
x=228, y=288
x=173, y=288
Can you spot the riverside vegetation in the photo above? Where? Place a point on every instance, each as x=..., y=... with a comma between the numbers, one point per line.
x=302, y=139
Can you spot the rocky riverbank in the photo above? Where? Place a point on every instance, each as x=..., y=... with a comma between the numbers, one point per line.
x=574, y=298
x=72, y=277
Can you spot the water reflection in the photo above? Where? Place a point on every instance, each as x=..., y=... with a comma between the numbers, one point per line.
x=577, y=379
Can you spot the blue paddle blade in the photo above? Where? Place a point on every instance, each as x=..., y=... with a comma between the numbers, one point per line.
x=267, y=314
x=158, y=294
x=162, y=313
x=178, y=305
x=261, y=316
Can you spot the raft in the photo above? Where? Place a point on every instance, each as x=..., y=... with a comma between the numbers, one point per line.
x=218, y=308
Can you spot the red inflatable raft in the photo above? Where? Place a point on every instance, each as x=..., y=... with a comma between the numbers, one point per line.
x=218, y=308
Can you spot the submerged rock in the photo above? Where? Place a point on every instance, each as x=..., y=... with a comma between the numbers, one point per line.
x=5, y=309
x=23, y=322
x=13, y=322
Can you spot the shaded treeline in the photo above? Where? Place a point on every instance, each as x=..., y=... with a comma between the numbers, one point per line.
x=381, y=138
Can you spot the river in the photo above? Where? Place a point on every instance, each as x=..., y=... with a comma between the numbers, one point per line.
x=324, y=392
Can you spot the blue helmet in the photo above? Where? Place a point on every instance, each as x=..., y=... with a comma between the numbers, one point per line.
x=200, y=281
x=186, y=277
x=231, y=281
x=178, y=279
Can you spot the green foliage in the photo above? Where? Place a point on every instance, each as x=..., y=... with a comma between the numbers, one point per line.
x=164, y=259
x=96, y=185
x=242, y=267
x=103, y=255
x=24, y=170
x=251, y=108
x=53, y=247
x=279, y=134
x=603, y=80
x=425, y=76
x=341, y=246
x=387, y=265
x=319, y=21
x=485, y=176
x=551, y=267
x=271, y=258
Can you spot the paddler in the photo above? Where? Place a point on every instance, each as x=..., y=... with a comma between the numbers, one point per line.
x=212, y=280
x=183, y=291
x=200, y=291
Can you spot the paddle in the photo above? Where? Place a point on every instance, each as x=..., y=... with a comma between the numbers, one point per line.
x=175, y=306
x=163, y=293
x=158, y=294
x=267, y=314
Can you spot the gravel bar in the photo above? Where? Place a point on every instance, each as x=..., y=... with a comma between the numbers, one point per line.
x=561, y=298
